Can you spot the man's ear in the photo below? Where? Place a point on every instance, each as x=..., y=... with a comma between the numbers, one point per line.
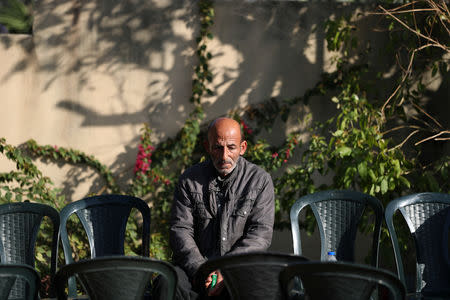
x=243, y=147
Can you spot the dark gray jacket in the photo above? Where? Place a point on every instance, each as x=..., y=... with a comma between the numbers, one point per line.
x=198, y=232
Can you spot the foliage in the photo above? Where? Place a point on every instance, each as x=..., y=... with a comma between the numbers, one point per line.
x=73, y=157
x=17, y=17
x=356, y=148
x=26, y=183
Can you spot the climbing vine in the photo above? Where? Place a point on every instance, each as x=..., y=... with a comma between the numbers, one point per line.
x=202, y=73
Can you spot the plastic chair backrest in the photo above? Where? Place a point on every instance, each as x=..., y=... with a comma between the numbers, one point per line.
x=104, y=218
x=252, y=275
x=338, y=214
x=339, y=280
x=11, y=273
x=428, y=219
x=19, y=226
x=116, y=277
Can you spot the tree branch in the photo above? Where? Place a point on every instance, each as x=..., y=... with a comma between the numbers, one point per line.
x=434, y=136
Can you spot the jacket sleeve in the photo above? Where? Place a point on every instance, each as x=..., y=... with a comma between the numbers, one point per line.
x=259, y=226
x=185, y=250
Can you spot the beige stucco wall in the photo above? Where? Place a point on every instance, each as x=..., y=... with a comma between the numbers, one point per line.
x=93, y=72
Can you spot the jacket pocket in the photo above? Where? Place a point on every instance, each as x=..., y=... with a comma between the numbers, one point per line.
x=244, y=210
x=244, y=205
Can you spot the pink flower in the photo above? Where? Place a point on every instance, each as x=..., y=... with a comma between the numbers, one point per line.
x=138, y=165
x=275, y=155
x=56, y=148
x=247, y=129
x=143, y=160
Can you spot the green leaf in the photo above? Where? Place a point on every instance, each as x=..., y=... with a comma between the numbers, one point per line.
x=338, y=132
x=8, y=196
x=382, y=168
x=405, y=181
x=433, y=184
x=384, y=186
x=435, y=69
x=391, y=26
x=362, y=169
x=397, y=168
x=344, y=151
x=372, y=190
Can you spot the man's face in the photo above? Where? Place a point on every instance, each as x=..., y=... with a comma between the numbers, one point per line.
x=225, y=147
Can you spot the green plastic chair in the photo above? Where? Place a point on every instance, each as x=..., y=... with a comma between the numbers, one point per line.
x=342, y=281
x=11, y=273
x=104, y=218
x=252, y=275
x=116, y=277
x=428, y=219
x=20, y=224
x=338, y=214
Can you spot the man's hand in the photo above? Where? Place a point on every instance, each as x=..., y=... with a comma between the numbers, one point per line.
x=217, y=289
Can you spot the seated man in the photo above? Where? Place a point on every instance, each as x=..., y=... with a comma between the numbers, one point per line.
x=221, y=206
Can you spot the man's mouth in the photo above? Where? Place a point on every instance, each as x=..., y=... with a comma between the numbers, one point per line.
x=224, y=164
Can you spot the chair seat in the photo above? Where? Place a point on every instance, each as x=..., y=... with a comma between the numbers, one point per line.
x=251, y=275
x=341, y=281
x=22, y=274
x=116, y=277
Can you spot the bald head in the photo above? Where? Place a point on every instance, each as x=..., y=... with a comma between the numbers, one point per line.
x=223, y=125
x=225, y=144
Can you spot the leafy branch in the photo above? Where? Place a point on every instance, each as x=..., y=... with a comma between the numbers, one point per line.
x=73, y=156
x=428, y=21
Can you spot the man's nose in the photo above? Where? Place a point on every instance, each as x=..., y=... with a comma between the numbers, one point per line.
x=224, y=153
